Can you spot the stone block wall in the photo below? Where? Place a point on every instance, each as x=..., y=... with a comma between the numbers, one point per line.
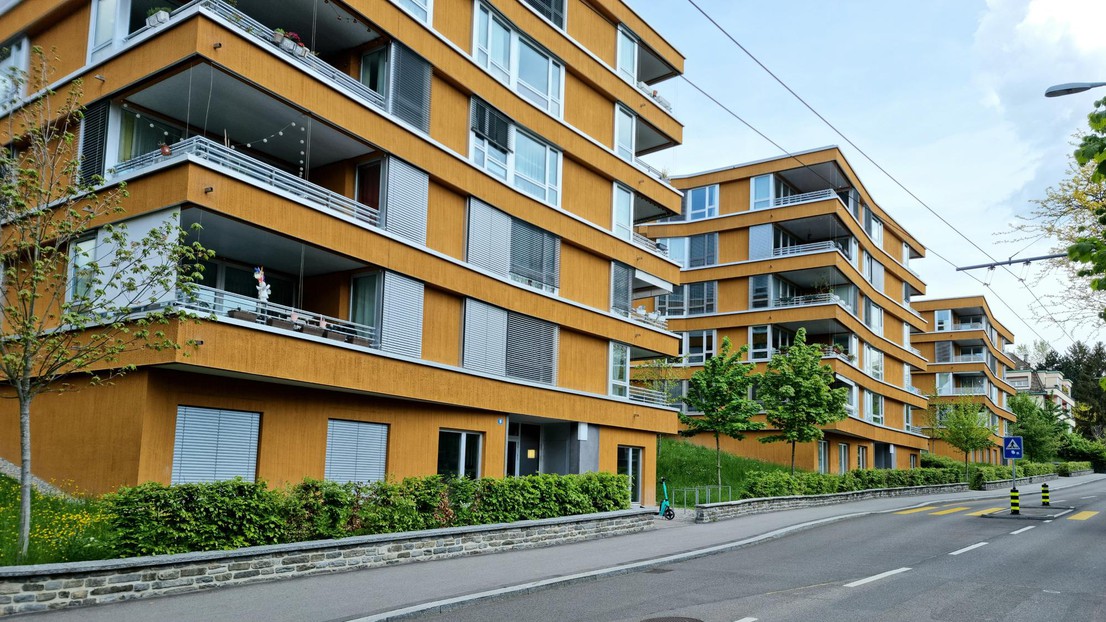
x=713, y=512
x=1022, y=481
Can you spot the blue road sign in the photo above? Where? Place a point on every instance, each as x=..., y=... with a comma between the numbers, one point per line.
x=1012, y=447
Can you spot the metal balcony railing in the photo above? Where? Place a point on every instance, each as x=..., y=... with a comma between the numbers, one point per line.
x=652, y=170
x=961, y=391
x=966, y=358
x=915, y=350
x=913, y=428
x=813, y=247
x=650, y=245
x=807, y=300
x=913, y=389
x=648, y=396
x=210, y=301
x=968, y=326
x=652, y=94
x=207, y=151
x=653, y=318
x=806, y=197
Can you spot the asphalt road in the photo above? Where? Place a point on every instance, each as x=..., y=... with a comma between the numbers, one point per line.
x=938, y=563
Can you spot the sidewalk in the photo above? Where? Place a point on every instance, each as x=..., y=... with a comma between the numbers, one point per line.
x=393, y=592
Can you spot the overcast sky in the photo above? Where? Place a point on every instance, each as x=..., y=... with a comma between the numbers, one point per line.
x=946, y=95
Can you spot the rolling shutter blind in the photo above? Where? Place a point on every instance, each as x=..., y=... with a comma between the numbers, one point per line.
x=490, y=124
x=213, y=445
x=410, y=87
x=553, y=10
x=488, y=236
x=401, y=316
x=485, y=340
x=703, y=250
x=531, y=349
x=356, y=451
x=94, y=131
x=535, y=255
x=408, y=195
x=760, y=241
x=943, y=351
x=621, y=282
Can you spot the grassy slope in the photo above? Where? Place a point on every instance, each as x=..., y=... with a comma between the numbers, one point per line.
x=61, y=529
x=687, y=466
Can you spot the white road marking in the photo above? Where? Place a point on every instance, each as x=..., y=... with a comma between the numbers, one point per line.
x=968, y=548
x=1049, y=520
x=876, y=577
x=1090, y=497
x=747, y=620
x=1045, y=591
x=1022, y=530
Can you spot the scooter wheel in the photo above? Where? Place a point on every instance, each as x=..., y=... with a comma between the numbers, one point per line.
x=669, y=513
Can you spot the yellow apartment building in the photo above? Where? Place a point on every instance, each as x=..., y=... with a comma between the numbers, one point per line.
x=966, y=349
x=769, y=247
x=442, y=194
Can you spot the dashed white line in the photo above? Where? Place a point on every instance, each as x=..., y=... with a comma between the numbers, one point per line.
x=1022, y=530
x=969, y=548
x=876, y=577
x=747, y=620
x=1090, y=497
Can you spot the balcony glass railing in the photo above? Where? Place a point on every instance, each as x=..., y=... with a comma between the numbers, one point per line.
x=648, y=396
x=961, y=391
x=813, y=247
x=208, y=152
x=913, y=428
x=806, y=197
x=210, y=301
x=650, y=245
x=652, y=318
x=968, y=326
x=808, y=300
x=652, y=94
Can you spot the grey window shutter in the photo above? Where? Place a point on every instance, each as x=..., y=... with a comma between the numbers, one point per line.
x=406, y=205
x=759, y=293
x=621, y=284
x=703, y=250
x=943, y=351
x=485, y=338
x=94, y=133
x=356, y=451
x=531, y=349
x=554, y=10
x=489, y=235
x=213, y=445
x=760, y=241
x=410, y=87
x=491, y=124
x=401, y=316
x=711, y=249
x=535, y=254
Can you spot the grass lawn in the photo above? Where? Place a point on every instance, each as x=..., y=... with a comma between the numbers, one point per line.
x=62, y=529
x=688, y=466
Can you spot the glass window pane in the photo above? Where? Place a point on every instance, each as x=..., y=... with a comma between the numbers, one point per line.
x=363, y=299
x=374, y=70
x=105, y=21
x=472, y=455
x=449, y=452
x=533, y=67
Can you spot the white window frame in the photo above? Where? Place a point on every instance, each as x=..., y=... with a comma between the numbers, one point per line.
x=760, y=354
x=823, y=456
x=119, y=27
x=843, y=458
x=862, y=456
x=480, y=147
x=14, y=69
x=942, y=320
x=762, y=202
x=89, y=256
x=623, y=230
x=873, y=316
x=464, y=447
x=334, y=428
x=422, y=10
x=551, y=101
x=710, y=209
x=872, y=367
x=619, y=387
x=708, y=352
x=873, y=408
x=622, y=117
x=624, y=66
x=252, y=420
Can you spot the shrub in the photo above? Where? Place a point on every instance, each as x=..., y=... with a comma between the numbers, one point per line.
x=937, y=461
x=1076, y=448
x=153, y=519
x=316, y=509
x=782, y=484
x=1065, y=469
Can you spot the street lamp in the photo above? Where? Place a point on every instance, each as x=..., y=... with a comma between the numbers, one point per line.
x=1071, y=87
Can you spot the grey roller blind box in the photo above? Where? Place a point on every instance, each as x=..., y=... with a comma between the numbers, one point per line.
x=943, y=351
x=621, y=284
x=94, y=133
x=489, y=235
x=213, y=445
x=408, y=192
x=760, y=241
x=490, y=124
x=553, y=10
x=410, y=87
x=485, y=338
x=356, y=451
x=702, y=250
x=401, y=316
x=535, y=255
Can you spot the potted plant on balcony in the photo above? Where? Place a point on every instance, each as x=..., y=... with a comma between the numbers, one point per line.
x=278, y=36
x=156, y=16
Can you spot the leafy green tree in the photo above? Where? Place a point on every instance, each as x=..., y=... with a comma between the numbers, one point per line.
x=659, y=375
x=720, y=393
x=1085, y=366
x=798, y=395
x=964, y=426
x=1039, y=426
x=1090, y=250
x=71, y=286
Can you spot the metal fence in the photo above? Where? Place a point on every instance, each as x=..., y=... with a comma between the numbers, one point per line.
x=691, y=497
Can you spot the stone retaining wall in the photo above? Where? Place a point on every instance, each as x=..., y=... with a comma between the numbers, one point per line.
x=1005, y=483
x=1078, y=473
x=56, y=586
x=713, y=512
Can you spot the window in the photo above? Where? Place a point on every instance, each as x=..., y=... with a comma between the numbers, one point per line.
x=759, y=292
x=907, y=417
x=421, y=9
x=627, y=55
x=552, y=10
x=518, y=61
x=874, y=227
x=697, y=346
x=842, y=458
x=913, y=461
x=620, y=370
x=873, y=316
x=693, y=252
x=459, y=453
x=356, y=451
x=629, y=464
x=875, y=407
x=873, y=271
x=823, y=457
x=943, y=319
x=622, y=277
x=873, y=362
x=107, y=17
x=623, y=219
x=688, y=299
x=762, y=191
x=861, y=456
x=14, y=62
x=701, y=202
x=513, y=155
x=767, y=340
x=212, y=445
x=82, y=268
x=504, y=343
x=510, y=247
x=142, y=134
x=374, y=70
x=624, y=123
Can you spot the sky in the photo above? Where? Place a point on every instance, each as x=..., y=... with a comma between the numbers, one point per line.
x=945, y=95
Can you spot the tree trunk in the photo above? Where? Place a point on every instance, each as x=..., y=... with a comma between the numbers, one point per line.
x=718, y=461
x=24, y=478
x=792, y=458
x=966, y=479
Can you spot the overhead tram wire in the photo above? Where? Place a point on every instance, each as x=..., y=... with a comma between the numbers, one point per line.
x=830, y=184
x=874, y=163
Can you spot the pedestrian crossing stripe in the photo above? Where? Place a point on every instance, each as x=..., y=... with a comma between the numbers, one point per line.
x=916, y=510
x=1082, y=515
x=984, y=512
x=950, y=511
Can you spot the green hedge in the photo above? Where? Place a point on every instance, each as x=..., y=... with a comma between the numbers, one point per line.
x=782, y=484
x=1076, y=448
x=156, y=519
x=981, y=473
x=1065, y=469
x=937, y=461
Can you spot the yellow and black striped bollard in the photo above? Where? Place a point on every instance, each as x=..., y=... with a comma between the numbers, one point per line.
x=1015, y=503
x=1044, y=495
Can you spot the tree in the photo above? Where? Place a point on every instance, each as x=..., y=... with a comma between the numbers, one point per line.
x=720, y=392
x=1090, y=249
x=798, y=395
x=964, y=426
x=1039, y=426
x=1035, y=354
x=74, y=286
x=1085, y=366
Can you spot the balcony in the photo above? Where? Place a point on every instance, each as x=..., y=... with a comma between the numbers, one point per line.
x=913, y=429
x=650, y=245
x=653, y=94
x=805, y=197
x=913, y=389
x=808, y=300
x=813, y=247
x=968, y=326
x=943, y=391
x=648, y=396
x=964, y=358
x=652, y=318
